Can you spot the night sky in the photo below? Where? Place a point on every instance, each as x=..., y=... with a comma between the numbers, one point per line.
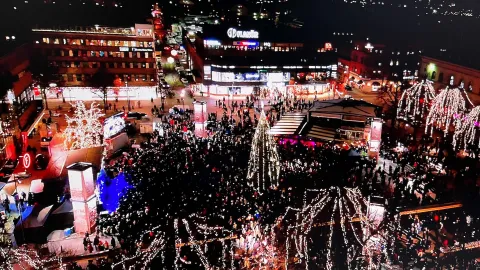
x=392, y=23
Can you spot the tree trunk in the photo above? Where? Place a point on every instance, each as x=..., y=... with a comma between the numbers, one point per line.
x=105, y=99
x=44, y=96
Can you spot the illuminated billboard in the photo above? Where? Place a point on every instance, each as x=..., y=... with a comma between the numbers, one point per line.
x=113, y=125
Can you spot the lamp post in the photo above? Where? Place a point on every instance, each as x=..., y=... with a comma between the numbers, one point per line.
x=128, y=95
x=182, y=95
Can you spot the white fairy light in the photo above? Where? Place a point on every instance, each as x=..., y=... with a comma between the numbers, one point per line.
x=348, y=206
x=84, y=129
x=264, y=163
x=23, y=257
x=466, y=132
x=448, y=106
x=414, y=102
x=330, y=237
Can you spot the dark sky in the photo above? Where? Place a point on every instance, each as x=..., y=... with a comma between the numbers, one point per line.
x=383, y=24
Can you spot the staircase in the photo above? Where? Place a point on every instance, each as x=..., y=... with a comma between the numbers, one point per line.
x=288, y=124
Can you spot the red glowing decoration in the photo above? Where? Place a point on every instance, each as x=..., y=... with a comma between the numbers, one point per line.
x=36, y=91
x=27, y=160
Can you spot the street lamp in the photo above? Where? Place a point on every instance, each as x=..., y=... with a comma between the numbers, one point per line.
x=182, y=95
x=128, y=95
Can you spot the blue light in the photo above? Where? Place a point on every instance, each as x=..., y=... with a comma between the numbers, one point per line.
x=111, y=190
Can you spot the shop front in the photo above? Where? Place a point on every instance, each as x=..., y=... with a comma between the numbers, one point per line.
x=122, y=93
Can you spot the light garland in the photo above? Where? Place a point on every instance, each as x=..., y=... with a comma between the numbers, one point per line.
x=9, y=258
x=342, y=201
x=414, y=102
x=466, y=132
x=448, y=106
x=264, y=163
x=84, y=129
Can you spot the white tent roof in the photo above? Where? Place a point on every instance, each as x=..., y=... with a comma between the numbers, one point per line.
x=36, y=186
x=56, y=235
x=35, y=220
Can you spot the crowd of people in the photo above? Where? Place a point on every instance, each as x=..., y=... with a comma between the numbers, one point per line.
x=178, y=174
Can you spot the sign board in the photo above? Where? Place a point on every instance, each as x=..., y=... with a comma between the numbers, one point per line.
x=375, y=137
x=135, y=49
x=207, y=72
x=234, y=33
x=143, y=30
x=27, y=160
x=246, y=43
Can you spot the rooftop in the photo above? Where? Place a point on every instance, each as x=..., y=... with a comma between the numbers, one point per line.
x=79, y=166
x=466, y=59
x=345, y=107
x=91, y=30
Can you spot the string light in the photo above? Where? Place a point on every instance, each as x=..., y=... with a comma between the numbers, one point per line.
x=84, y=129
x=448, y=106
x=23, y=256
x=466, y=132
x=264, y=163
x=347, y=206
x=414, y=102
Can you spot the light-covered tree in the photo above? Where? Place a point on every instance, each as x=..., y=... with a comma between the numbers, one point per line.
x=84, y=129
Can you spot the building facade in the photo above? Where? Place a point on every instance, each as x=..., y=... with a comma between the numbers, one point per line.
x=371, y=65
x=22, y=95
x=237, y=61
x=79, y=53
x=444, y=73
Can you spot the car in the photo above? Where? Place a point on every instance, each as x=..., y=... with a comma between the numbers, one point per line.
x=136, y=115
x=184, y=81
x=161, y=75
x=348, y=88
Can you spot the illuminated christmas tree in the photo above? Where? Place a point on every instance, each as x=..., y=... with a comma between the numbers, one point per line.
x=446, y=109
x=414, y=102
x=84, y=129
x=264, y=163
x=466, y=132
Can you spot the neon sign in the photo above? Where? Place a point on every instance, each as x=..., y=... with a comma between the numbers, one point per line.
x=246, y=43
x=27, y=160
x=234, y=33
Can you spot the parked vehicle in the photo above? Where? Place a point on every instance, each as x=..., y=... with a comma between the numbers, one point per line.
x=136, y=115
